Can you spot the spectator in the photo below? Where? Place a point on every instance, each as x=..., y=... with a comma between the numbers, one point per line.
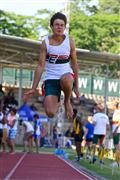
x=28, y=136
x=101, y=123
x=8, y=98
x=74, y=113
x=12, y=121
x=37, y=131
x=68, y=135
x=78, y=136
x=13, y=102
x=116, y=127
x=44, y=134
x=68, y=143
x=68, y=132
x=2, y=96
x=88, y=134
x=10, y=101
x=5, y=134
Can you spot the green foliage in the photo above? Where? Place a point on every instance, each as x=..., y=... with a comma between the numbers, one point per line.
x=17, y=25
x=96, y=28
x=104, y=6
x=96, y=33
x=42, y=19
x=109, y=6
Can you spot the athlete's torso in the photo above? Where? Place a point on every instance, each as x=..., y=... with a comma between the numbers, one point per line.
x=58, y=59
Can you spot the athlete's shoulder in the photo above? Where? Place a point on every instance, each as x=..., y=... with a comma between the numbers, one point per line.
x=45, y=42
x=43, y=45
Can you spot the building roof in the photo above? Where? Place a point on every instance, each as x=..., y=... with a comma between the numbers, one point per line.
x=16, y=51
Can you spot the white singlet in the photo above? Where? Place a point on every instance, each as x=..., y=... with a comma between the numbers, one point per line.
x=57, y=60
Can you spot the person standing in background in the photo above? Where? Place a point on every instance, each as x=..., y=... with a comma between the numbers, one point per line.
x=2, y=96
x=88, y=135
x=5, y=134
x=101, y=124
x=116, y=127
x=12, y=122
x=28, y=136
x=37, y=131
x=78, y=136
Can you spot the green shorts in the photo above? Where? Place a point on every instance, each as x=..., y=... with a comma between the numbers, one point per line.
x=116, y=138
x=97, y=137
x=52, y=87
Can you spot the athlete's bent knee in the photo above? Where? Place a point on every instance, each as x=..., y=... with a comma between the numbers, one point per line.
x=50, y=114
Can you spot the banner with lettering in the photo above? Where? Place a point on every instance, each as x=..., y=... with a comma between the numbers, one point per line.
x=99, y=85
x=88, y=84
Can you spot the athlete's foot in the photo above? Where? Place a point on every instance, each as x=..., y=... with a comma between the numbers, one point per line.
x=69, y=110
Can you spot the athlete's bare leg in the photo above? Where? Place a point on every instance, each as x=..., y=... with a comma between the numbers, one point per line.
x=51, y=105
x=66, y=86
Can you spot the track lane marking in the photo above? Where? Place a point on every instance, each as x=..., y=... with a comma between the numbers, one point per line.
x=79, y=171
x=15, y=167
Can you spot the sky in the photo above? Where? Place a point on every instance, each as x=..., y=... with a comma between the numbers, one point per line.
x=30, y=7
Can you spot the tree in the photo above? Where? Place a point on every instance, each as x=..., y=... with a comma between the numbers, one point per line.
x=17, y=25
x=109, y=6
x=103, y=6
x=97, y=32
x=42, y=19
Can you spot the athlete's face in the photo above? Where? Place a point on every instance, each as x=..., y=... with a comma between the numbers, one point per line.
x=58, y=27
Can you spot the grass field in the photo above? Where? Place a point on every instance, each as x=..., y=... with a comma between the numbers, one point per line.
x=102, y=170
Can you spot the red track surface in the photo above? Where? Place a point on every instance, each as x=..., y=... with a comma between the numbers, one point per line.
x=7, y=162
x=37, y=167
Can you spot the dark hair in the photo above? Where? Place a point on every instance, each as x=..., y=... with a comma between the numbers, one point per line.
x=20, y=122
x=14, y=110
x=99, y=107
x=36, y=116
x=75, y=111
x=78, y=119
x=58, y=15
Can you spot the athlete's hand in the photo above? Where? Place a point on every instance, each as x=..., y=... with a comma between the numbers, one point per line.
x=28, y=95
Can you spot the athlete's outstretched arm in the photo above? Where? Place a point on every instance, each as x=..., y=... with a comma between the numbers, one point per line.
x=74, y=66
x=40, y=67
x=38, y=72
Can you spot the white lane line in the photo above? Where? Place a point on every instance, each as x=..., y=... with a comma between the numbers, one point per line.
x=79, y=171
x=15, y=167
